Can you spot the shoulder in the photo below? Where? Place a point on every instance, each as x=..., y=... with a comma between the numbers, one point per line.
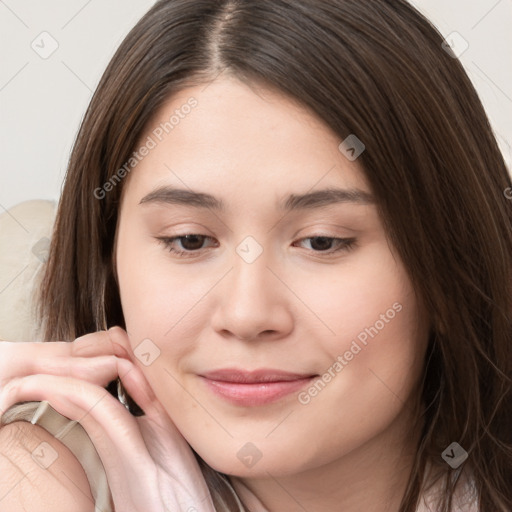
x=39, y=473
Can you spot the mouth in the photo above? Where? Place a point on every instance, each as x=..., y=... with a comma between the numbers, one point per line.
x=257, y=387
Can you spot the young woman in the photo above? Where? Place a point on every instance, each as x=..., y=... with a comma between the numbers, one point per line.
x=284, y=246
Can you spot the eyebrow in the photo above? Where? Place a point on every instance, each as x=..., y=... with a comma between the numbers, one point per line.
x=309, y=200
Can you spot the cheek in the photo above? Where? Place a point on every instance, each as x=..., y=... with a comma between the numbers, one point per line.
x=362, y=311
x=375, y=357
x=380, y=359
x=163, y=313
x=362, y=298
x=155, y=294
x=368, y=383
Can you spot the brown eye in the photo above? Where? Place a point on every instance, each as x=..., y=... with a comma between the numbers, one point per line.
x=321, y=243
x=192, y=242
x=326, y=243
x=189, y=245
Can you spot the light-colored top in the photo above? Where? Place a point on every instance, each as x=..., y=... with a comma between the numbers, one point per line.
x=465, y=498
x=73, y=435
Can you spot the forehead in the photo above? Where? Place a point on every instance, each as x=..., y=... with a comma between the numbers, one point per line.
x=240, y=142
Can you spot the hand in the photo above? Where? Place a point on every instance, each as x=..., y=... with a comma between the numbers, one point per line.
x=149, y=465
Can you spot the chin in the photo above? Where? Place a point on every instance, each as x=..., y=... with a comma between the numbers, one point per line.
x=245, y=460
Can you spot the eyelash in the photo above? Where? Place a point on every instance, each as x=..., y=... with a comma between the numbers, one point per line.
x=344, y=244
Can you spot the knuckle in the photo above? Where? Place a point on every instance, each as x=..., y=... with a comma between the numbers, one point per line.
x=9, y=388
x=95, y=343
x=85, y=345
x=83, y=389
x=117, y=338
x=42, y=486
x=116, y=329
x=13, y=438
x=8, y=353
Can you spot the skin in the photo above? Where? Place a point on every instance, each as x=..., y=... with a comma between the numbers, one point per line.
x=295, y=308
x=25, y=483
x=141, y=455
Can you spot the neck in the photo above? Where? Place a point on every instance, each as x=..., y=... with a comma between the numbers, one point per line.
x=372, y=477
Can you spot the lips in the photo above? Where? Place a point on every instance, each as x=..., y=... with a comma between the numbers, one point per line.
x=256, y=387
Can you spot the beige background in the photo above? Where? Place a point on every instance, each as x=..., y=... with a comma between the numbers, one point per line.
x=43, y=100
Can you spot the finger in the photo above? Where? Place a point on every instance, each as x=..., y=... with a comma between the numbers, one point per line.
x=25, y=358
x=117, y=437
x=111, y=428
x=162, y=439
x=183, y=476
x=121, y=341
x=99, y=370
x=28, y=354
x=135, y=382
x=137, y=386
x=100, y=343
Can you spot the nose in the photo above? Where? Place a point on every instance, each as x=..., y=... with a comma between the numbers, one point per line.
x=252, y=303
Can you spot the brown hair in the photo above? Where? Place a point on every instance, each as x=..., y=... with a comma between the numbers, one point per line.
x=376, y=69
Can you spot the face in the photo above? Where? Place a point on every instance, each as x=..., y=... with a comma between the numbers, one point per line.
x=273, y=319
